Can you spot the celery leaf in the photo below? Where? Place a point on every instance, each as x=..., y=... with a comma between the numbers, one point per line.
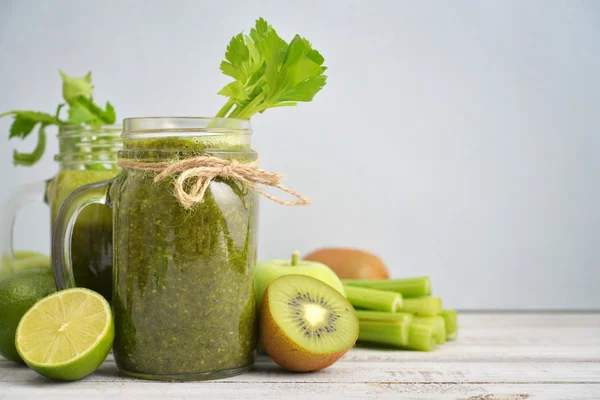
x=269, y=72
x=74, y=87
x=77, y=93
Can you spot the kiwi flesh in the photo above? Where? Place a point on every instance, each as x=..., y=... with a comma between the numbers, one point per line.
x=305, y=324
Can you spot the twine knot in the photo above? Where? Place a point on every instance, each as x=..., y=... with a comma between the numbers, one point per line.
x=196, y=174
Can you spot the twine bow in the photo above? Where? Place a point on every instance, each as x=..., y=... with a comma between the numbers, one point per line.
x=200, y=171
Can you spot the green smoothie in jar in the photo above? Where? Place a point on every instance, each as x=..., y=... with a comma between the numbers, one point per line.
x=183, y=277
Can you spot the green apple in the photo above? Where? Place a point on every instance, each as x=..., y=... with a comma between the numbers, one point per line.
x=267, y=271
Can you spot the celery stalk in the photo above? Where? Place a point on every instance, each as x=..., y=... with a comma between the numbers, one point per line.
x=450, y=318
x=382, y=327
x=396, y=330
x=409, y=287
x=422, y=306
x=380, y=316
x=391, y=333
x=373, y=299
x=420, y=337
x=437, y=323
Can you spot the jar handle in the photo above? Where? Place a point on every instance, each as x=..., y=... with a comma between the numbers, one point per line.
x=24, y=195
x=94, y=193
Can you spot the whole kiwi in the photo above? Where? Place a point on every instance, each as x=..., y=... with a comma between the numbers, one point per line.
x=349, y=263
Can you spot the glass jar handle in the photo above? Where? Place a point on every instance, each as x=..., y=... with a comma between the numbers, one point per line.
x=94, y=193
x=25, y=194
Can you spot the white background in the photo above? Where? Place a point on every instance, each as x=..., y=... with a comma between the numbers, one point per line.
x=455, y=139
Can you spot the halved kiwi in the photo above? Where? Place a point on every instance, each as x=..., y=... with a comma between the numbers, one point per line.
x=305, y=324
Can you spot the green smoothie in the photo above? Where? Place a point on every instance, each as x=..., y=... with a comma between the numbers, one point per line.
x=184, y=304
x=91, y=247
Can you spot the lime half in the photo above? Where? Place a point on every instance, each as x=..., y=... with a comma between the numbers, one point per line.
x=66, y=335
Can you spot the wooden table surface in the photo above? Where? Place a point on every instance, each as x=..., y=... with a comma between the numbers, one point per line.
x=497, y=356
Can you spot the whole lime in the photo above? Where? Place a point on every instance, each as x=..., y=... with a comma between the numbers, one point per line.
x=18, y=293
x=23, y=260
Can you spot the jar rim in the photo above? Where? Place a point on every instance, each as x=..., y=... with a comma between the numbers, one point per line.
x=135, y=126
x=81, y=130
x=100, y=157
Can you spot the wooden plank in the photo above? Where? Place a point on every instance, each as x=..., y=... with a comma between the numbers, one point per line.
x=368, y=371
x=529, y=336
x=505, y=356
x=493, y=321
x=422, y=372
x=137, y=390
x=481, y=353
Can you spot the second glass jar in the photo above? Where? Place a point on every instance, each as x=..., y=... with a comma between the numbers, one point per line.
x=87, y=155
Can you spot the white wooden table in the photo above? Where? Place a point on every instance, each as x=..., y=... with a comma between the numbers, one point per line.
x=497, y=356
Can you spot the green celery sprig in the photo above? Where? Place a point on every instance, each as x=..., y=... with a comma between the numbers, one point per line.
x=82, y=110
x=269, y=72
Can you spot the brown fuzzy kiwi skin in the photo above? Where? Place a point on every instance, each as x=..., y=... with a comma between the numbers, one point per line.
x=350, y=263
x=284, y=351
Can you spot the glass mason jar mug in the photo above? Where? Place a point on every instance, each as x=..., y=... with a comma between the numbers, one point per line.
x=86, y=155
x=183, y=298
